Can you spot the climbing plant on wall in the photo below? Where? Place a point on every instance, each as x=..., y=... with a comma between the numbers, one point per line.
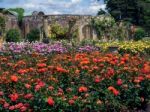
x=60, y=32
x=103, y=24
x=107, y=28
x=2, y=25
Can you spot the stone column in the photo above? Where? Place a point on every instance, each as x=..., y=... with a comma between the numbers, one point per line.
x=46, y=27
x=94, y=35
x=81, y=37
x=27, y=28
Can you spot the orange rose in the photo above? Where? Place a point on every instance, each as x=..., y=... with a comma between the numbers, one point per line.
x=113, y=90
x=14, y=78
x=82, y=89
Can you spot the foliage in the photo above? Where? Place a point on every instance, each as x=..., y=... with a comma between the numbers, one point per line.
x=13, y=35
x=134, y=11
x=101, y=12
x=107, y=28
x=134, y=47
x=58, y=31
x=2, y=24
x=103, y=24
x=139, y=34
x=34, y=35
x=19, y=11
x=46, y=40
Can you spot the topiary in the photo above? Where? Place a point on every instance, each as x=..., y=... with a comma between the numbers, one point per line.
x=13, y=35
x=34, y=35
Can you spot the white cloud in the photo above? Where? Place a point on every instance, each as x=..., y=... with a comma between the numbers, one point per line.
x=56, y=12
x=88, y=7
x=92, y=9
x=75, y=1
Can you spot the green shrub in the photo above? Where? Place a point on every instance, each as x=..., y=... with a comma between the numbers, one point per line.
x=13, y=35
x=58, y=32
x=45, y=40
x=139, y=34
x=34, y=35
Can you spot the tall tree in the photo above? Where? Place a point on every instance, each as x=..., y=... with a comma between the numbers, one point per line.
x=134, y=11
x=123, y=9
x=145, y=17
x=101, y=12
x=19, y=11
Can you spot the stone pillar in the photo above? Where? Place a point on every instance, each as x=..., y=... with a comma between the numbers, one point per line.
x=81, y=37
x=27, y=28
x=94, y=35
x=46, y=27
x=41, y=35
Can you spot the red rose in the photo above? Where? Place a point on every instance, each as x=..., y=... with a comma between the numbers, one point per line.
x=23, y=109
x=6, y=105
x=19, y=105
x=28, y=96
x=1, y=93
x=37, y=87
x=119, y=82
x=75, y=97
x=14, y=97
x=12, y=108
x=69, y=90
x=28, y=86
x=97, y=80
x=71, y=102
x=51, y=88
x=50, y=101
x=116, y=92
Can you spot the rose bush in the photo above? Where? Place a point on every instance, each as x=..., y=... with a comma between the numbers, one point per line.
x=74, y=82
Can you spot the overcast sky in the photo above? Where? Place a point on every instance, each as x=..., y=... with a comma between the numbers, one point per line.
x=87, y=7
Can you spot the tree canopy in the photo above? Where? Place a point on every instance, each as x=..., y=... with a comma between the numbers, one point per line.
x=101, y=12
x=19, y=11
x=134, y=11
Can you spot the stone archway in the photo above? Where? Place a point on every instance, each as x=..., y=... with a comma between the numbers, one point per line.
x=86, y=31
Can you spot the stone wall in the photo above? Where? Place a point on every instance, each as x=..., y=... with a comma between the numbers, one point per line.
x=11, y=22
x=74, y=22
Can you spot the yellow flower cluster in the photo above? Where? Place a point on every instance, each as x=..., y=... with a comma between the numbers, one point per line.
x=132, y=46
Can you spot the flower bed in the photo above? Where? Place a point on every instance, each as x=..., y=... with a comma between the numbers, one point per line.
x=134, y=47
x=44, y=49
x=74, y=82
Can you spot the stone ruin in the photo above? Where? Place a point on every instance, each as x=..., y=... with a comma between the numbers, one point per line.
x=38, y=20
x=43, y=23
x=80, y=23
x=11, y=21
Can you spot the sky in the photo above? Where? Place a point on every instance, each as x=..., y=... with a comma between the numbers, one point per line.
x=81, y=7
